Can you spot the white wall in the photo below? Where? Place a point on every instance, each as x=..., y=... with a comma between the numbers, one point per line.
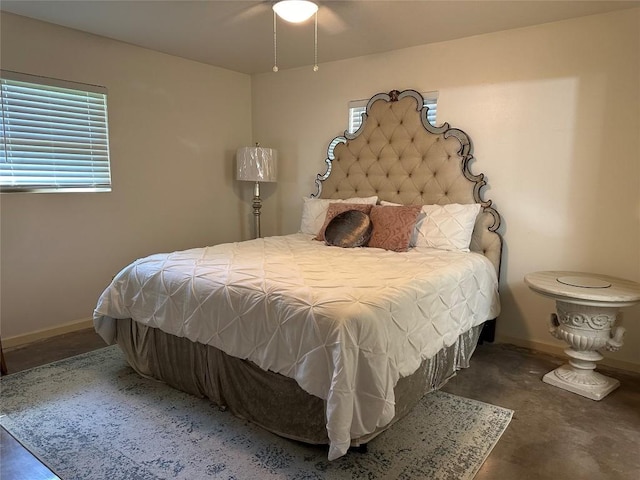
x=174, y=128
x=553, y=112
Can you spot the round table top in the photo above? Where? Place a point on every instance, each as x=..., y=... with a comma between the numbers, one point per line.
x=592, y=287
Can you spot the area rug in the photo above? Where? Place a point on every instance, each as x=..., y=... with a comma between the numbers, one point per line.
x=93, y=417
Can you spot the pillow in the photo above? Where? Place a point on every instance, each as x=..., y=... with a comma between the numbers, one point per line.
x=392, y=226
x=349, y=229
x=416, y=227
x=448, y=227
x=314, y=211
x=337, y=208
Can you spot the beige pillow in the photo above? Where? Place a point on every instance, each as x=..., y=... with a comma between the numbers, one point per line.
x=337, y=208
x=393, y=226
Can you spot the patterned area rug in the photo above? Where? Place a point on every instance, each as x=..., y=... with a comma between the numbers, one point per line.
x=93, y=417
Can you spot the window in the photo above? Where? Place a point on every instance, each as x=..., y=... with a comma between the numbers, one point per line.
x=53, y=135
x=358, y=107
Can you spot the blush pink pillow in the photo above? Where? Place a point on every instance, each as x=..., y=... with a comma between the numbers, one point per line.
x=337, y=208
x=393, y=226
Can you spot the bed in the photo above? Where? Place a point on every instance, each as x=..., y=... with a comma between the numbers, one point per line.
x=321, y=343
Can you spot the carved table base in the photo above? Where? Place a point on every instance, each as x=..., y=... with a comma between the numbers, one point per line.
x=590, y=384
x=587, y=329
x=587, y=306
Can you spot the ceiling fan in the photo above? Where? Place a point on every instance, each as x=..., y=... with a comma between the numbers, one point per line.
x=297, y=11
x=329, y=21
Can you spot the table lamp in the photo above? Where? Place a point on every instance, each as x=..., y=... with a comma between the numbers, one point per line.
x=256, y=164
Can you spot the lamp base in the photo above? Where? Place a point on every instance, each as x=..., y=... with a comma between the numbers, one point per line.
x=257, y=205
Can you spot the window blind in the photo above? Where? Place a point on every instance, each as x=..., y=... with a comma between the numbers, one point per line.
x=358, y=107
x=54, y=135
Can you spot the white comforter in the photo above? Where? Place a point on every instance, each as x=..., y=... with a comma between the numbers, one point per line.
x=344, y=323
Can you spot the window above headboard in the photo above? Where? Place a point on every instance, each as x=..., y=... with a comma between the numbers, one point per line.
x=358, y=107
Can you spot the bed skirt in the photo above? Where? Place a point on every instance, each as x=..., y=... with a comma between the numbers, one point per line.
x=270, y=400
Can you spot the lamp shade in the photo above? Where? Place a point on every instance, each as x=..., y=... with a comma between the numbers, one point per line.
x=256, y=164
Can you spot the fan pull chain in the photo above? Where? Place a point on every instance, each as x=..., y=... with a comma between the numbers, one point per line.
x=275, y=45
x=315, y=45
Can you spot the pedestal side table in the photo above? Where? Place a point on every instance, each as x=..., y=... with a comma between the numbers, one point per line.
x=587, y=306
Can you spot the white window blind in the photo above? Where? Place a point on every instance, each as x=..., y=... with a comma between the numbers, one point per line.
x=54, y=135
x=358, y=107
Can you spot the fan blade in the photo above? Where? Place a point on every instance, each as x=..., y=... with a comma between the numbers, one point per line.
x=330, y=21
x=245, y=13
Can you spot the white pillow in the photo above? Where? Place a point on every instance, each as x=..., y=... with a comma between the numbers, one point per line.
x=314, y=211
x=447, y=227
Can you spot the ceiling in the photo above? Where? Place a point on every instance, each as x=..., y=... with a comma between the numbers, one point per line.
x=238, y=35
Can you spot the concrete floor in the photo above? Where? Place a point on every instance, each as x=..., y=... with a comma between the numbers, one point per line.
x=554, y=434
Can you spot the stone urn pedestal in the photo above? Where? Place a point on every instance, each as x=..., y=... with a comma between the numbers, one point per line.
x=586, y=329
x=587, y=306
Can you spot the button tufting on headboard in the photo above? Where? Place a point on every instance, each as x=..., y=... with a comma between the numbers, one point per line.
x=397, y=143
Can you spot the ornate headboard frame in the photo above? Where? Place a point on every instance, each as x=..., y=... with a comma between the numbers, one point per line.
x=399, y=156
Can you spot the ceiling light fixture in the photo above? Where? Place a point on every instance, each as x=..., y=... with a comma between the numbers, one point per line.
x=295, y=11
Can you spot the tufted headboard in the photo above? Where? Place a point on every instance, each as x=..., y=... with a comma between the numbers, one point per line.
x=399, y=156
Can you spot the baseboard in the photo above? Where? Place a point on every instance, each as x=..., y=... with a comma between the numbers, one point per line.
x=559, y=352
x=21, y=340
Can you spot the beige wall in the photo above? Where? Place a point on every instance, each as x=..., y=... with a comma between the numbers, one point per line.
x=174, y=128
x=553, y=112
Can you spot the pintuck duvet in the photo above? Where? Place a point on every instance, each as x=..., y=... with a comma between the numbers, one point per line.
x=344, y=323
